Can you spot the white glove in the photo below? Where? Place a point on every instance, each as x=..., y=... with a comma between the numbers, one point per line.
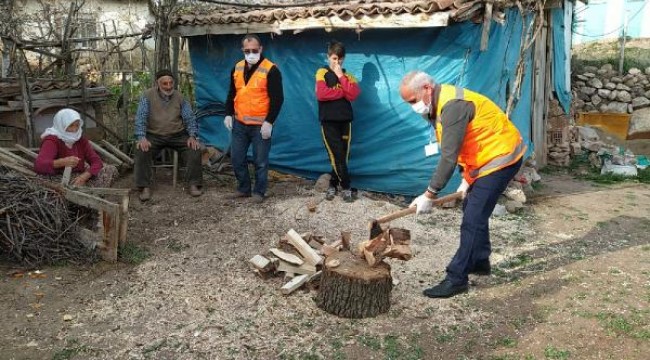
x=266, y=130
x=463, y=188
x=227, y=122
x=423, y=204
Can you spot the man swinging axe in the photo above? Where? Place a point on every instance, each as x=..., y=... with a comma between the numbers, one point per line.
x=474, y=133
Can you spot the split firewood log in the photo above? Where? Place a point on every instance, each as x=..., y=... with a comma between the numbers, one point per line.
x=329, y=249
x=261, y=263
x=290, y=258
x=302, y=269
x=401, y=252
x=307, y=252
x=393, y=243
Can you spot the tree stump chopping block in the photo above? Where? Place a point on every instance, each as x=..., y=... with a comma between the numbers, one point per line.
x=353, y=289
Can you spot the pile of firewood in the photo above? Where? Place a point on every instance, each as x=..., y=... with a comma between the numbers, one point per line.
x=37, y=225
x=301, y=257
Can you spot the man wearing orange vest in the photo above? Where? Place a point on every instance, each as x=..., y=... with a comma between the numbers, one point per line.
x=254, y=99
x=474, y=133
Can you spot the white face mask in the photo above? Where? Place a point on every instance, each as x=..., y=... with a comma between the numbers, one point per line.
x=252, y=58
x=421, y=108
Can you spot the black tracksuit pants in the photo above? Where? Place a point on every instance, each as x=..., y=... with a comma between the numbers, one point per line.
x=337, y=136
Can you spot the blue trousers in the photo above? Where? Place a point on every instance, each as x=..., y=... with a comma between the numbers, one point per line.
x=242, y=138
x=478, y=205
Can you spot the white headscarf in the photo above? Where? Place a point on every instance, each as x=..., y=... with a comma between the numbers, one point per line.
x=62, y=120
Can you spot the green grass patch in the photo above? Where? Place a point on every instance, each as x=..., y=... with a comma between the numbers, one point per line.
x=552, y=170
x=177, y=246
x=551, y=352
x=580, y=168
x=633, y=325
x=371, y=342
x=154, y=347
x=71, y=350
x=506, y=341
x=614, y=271
x=445, y=336
x=644, y=175
x=132, y=253
x=337, y=346
x=517, y=261
x=604, y=179
x=505, y=357
x=599, y=53
x=392, y=347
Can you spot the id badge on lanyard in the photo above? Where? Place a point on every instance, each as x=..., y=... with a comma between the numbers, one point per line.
x=431, y=148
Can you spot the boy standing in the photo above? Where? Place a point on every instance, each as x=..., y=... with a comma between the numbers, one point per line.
x=335, y=90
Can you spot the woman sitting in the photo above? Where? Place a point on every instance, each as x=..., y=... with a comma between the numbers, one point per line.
x=62, y=146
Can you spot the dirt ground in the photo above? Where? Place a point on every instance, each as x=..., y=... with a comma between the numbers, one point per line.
x=571, y=281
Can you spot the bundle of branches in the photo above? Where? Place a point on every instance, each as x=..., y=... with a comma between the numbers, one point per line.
x=37, y=226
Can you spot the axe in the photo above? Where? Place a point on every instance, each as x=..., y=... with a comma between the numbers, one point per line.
x=375, y=225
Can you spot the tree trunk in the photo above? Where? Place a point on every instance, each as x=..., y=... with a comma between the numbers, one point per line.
x=353, y=289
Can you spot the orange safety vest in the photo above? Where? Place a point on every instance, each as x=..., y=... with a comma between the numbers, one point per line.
x=252, y=98
x=491, y=141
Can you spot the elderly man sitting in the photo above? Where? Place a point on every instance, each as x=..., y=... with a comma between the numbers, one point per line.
x=165, y=120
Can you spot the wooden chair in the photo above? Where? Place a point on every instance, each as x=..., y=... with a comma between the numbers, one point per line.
x=165, y=163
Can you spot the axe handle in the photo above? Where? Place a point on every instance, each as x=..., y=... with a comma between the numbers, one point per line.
x=396, y=215
x=411, y=210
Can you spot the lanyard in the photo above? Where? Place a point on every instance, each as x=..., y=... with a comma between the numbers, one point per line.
x=432, y=133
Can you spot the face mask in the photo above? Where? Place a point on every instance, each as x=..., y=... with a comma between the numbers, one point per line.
x=252, y=58
x=421, y=108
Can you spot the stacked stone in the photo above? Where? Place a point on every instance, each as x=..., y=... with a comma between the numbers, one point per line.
x=604, y=90
x=560, y=154
x=558, y=139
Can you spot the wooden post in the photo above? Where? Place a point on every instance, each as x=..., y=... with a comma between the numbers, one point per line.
x=487, y=22
x=110, y=238
x=84, y=98
x=6, y=56
x=124, y=111
x=538, y=111
x=174, y=168
x=124, y=219
x=175, y=56
x=65, y=42
x=27, y=106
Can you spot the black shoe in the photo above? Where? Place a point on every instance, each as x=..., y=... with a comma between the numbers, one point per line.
x=347, y=196
x=330, y=193
x=355, y=193
x=445, y=289
x=482, y=268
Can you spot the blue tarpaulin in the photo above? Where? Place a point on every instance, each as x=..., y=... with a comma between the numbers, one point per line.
x=387, y=151
x=560, y=58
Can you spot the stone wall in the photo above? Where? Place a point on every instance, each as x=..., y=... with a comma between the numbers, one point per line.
x=605, y=90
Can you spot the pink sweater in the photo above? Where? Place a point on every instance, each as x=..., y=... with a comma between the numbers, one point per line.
x=53, y=148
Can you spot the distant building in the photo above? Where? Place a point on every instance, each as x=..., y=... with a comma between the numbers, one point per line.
x=605, y=19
